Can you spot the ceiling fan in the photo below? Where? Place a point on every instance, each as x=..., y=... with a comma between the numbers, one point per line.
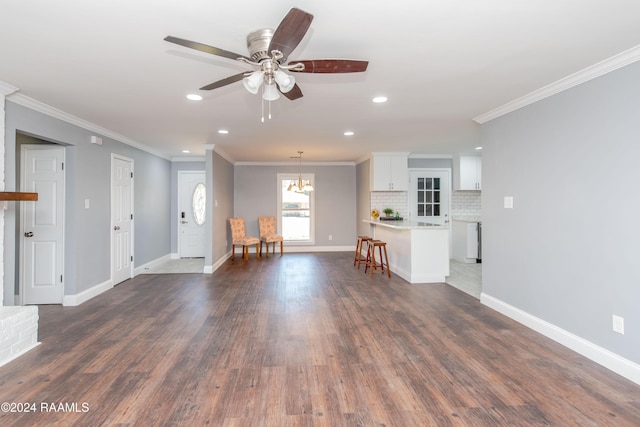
x=269, y=51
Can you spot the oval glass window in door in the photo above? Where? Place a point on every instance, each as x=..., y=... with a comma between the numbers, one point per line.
x=198, y=203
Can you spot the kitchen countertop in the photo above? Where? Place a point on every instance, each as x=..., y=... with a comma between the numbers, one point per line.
x=407, y=225
x=467, y=218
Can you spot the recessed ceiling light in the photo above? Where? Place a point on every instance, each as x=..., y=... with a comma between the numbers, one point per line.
x=223, y=131
x=194, y=97
x=380, y=99
x=348, y=133
x=478, y=148
x=186, y=151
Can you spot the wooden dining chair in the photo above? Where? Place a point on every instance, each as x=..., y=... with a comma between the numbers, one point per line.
x=239, y=237
x=267, y=225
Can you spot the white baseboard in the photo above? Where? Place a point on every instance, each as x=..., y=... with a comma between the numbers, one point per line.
x=15, y=356
x=602, y=356
x=301, y=248
x=209, y=269
x=175, y=255
x=148, y=266
x=77, y=299
x=416, y=279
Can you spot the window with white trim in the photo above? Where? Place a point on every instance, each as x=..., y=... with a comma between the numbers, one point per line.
x=296, y=209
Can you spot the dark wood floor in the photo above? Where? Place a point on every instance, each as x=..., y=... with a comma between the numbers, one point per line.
x=302, y=340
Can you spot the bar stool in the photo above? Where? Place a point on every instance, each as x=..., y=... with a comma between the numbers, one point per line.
x=371, y=263
x=358, y=258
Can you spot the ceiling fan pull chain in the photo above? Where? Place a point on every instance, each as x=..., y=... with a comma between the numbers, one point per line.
x=262, y=106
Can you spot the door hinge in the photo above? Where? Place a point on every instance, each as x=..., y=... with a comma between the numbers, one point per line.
x=131, y=174
x=131, y=216
x=132, y=258
x=62, y=165
x=61, y=278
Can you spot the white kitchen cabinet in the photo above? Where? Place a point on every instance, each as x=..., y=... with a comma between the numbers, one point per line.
x=470, y=173
x=389, y=172
x=465, y=241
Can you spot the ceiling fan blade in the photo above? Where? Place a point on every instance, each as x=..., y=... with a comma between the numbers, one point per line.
x=205, y=48
x=294, y=93
x=290, y=32
x=332, y=66
x=223, y=82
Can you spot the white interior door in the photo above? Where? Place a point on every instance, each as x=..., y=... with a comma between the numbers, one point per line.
x=121, y=219
x=429, y=195
x=191, y=213
x=42, y=225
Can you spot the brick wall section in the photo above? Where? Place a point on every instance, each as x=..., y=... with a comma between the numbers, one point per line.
x=18, y=331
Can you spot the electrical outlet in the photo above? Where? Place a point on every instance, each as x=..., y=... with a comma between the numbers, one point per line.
x=618, y=324
x=330, y=237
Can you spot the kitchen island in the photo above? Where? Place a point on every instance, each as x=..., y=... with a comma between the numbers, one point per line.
x=418, y=251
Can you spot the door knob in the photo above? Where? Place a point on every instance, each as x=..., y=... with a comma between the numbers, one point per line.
x=28, y=234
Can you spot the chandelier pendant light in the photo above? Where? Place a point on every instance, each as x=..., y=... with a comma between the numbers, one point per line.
x=300, y=186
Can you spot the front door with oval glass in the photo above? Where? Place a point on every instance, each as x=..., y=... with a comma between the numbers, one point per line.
x=191, y=213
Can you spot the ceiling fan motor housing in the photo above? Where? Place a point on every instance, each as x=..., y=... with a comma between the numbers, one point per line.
x=258, y=44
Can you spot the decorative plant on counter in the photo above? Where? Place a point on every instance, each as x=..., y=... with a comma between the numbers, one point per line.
x=388, y=211
x=375, y=214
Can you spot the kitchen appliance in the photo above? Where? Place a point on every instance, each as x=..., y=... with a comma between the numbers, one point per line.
x=479, y=229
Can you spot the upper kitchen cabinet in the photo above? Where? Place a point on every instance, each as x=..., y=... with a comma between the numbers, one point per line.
x=469, y=173
x=389, y=172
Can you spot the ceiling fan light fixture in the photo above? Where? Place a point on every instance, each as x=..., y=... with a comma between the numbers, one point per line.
x=253, y=81
x=285, y=81
x=270, y=92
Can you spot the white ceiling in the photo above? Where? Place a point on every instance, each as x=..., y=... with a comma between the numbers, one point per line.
x=440, y=62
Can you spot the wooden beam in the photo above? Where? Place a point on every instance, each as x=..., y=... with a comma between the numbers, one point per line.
x=13, y=195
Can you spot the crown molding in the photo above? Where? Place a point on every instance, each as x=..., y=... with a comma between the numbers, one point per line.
x=48, y=110
x=431, y=156
x=219, y=151
x=188, y=159
x=601, y=68
x=7, y=89
x=295, y=164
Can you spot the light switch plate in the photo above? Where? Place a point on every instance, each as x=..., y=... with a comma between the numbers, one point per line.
x=618, y=324
x=508, y=202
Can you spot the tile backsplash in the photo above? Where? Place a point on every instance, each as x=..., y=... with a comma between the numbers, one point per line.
x=466, y=203
x=396, y=200
x=463, y=203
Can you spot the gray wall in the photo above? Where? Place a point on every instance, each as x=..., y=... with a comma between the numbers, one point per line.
x=87, y=176
x=335, y=195
x=567, y=252
x=223, y=190
x=419, y=163
x=363, y=180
